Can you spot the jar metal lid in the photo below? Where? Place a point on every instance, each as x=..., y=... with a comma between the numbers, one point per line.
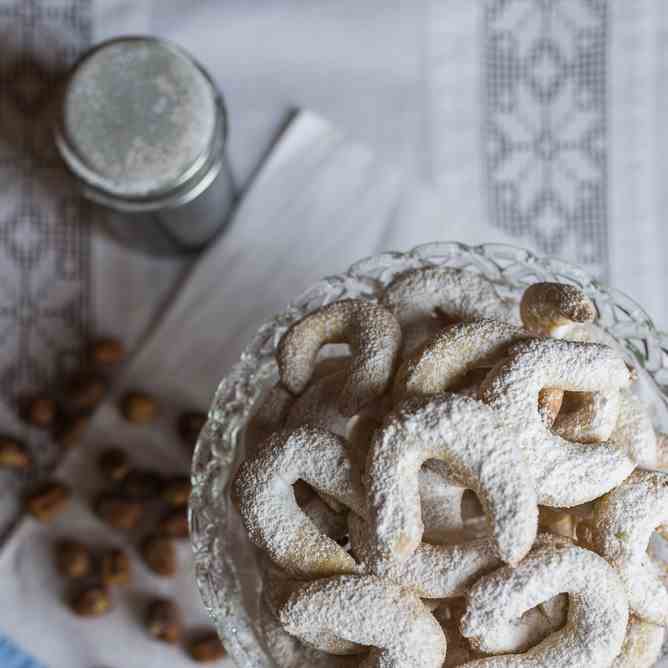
x=141, y=124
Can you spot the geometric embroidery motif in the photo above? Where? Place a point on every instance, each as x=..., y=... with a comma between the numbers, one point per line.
x=44, y=241
x=44, y=231
x=545, y=124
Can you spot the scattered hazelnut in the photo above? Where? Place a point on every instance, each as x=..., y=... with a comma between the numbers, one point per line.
x=159, y=555
x=174, y=524
x=189, y=426
x=139, y=408
x=48, y=500
x=84, y=392
x=176, y=491
x=73, y=559
x=113, y=464
x=141, y=484
x=91, y=601
x=115, y=568
x=205, y=648
x=119, y=512
x=163, y=621
x=41, y=412
x=106, y=353
x=13, y=455
x=71, y=431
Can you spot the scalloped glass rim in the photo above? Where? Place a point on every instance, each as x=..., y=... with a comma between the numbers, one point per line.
x=510, y=268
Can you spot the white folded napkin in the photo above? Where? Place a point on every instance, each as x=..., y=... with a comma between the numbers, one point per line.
x=319, y=203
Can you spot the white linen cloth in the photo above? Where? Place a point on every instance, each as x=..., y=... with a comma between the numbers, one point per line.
x=407, y=80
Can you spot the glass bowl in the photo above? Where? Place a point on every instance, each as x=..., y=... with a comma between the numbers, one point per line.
x=225, y=562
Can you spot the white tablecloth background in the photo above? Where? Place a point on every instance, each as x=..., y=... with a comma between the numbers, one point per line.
x=400, y=159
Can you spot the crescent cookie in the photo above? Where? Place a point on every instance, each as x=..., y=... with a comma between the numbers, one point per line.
x=373, y=335
x=597, y=609
x=446, y=359
x=567, y=474
x=481, y=453
x=277, y=588
x=551, y=308
x=270, y=514
x=523, y=633
x=440, y=500
x=423, y=300
x=452, y=355
x=432, y=571
x=366, y=610
x=288, y=652
x=624, y=521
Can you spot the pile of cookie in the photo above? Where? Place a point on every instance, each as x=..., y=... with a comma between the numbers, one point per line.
x=465, y=484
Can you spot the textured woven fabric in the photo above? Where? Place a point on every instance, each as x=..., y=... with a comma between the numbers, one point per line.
x=534, y=122
x=45, y=286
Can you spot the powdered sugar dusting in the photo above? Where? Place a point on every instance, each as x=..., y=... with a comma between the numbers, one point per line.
x=624, y=521
x=566, y=473
x=267, y=503
x=481, y=454
x=373, y=335
x=424, y=300
x=394, y=480
x=598, y=610
x=445, y=359
x=369, y=611
x=432, y=571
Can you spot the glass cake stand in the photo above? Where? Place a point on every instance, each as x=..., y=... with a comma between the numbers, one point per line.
x=226, y=567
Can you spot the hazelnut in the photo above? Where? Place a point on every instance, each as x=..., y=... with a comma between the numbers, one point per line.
x=115, y=568
x=71, y=431
x=119, y=512
x=84, y=392
x=13, y=455
x=141, y=484
x=189, y=426
x=139, y=408
x=73, y=559
x=206, y=647
x=48, y=500
x=113, y=464
x=106, y=354
x=163, y=621
x=41, y=412
x=91, y=601
x=159, y=555
x=176, y=491
x=174, y=524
